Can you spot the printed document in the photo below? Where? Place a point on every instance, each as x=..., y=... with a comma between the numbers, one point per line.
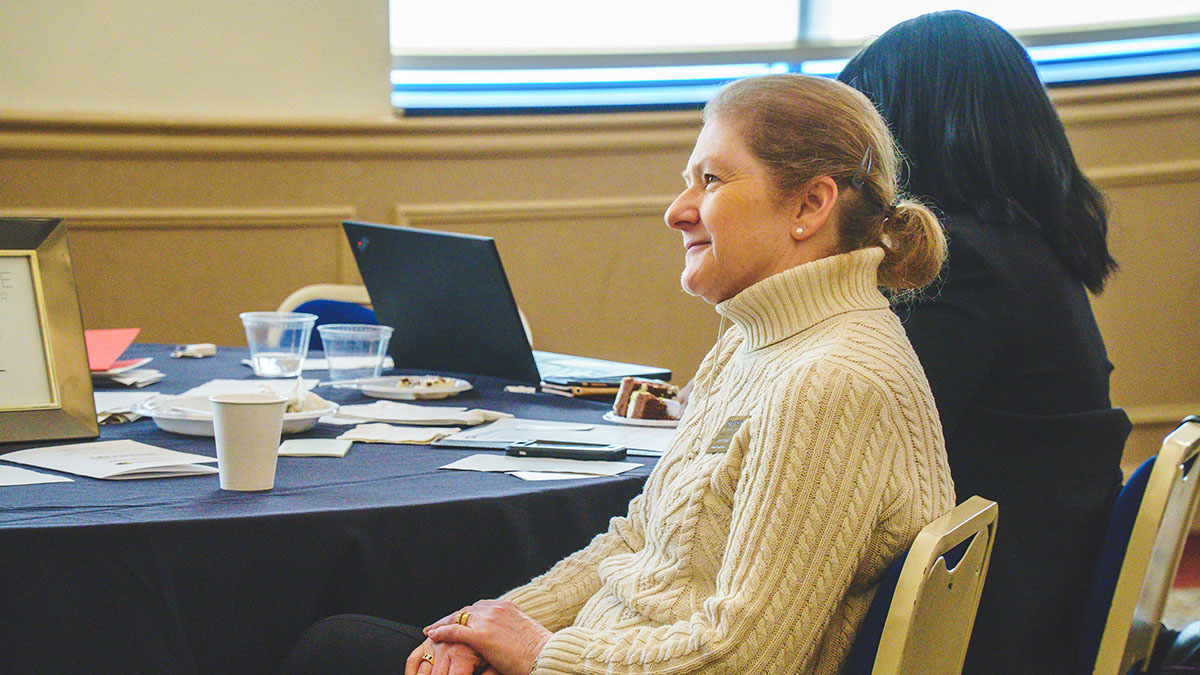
x=114, y=460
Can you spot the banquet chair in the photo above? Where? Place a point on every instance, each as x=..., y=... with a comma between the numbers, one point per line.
x=919, y=622
x=347, y=293
x=345, y=303
x=332, y=303
x=1139, y=557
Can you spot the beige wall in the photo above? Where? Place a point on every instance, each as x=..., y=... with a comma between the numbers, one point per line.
x=1141, y=144
x=197, y=58
x=176, y=227
x=187, y=207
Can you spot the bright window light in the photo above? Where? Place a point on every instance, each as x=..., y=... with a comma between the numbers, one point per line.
x=453, y=56
x=474, y=26
x=581, y=75
x=867, y=18
x=1093, y=50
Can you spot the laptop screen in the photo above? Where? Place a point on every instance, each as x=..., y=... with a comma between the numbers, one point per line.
x=446, y=297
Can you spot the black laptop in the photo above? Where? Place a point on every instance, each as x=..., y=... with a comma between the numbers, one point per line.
x=446, y=297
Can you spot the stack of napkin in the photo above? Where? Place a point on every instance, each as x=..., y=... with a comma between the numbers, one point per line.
x=117, y=406
x=372, y=420
x=389, y=433
x=104, y=349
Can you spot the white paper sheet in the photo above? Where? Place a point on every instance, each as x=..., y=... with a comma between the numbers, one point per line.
x=508, y=464
x=546, y=475
x=13, y=475
x=283, y=387
x=388, y=433
x=410, y=413
x=323, y=364
x=138, y=377
x=113, y=460
x=499, y=434
x=340, y=421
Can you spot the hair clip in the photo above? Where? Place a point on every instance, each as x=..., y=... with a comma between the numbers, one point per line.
x=864, y=167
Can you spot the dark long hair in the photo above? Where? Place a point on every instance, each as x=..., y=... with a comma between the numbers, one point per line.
x=980, y=135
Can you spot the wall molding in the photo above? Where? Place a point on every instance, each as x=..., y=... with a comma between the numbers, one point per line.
x=1157, y=173
x=189, y=218
x=32, y=133
x=1133, y=100
x=474, y=136
x=1165, y=413
x=455, y=213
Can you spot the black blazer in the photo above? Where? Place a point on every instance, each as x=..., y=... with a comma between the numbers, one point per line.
x=1019, y=372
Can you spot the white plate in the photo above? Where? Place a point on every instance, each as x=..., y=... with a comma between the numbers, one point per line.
x=192, y=415
x=413, y=387
x=610, y=416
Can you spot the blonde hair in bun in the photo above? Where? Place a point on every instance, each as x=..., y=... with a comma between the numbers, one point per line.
x=803, y=127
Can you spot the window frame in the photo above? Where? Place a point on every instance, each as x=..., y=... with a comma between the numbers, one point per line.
x=803, y=56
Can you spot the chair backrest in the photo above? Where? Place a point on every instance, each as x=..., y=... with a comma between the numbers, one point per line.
x=352, y=293
x=1163, y=495
x=338, y=298
x=332, y=303
x=921, y=617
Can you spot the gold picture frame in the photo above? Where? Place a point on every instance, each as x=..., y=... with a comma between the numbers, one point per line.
x=45, y=383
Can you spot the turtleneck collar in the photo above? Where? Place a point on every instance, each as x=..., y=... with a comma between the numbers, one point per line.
x=786, y=303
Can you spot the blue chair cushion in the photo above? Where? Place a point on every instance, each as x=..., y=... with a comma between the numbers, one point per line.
x=866, y=643
x=1108, y=567
x=335, y=311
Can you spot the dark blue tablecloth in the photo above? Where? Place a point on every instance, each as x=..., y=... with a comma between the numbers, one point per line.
x=176, y=575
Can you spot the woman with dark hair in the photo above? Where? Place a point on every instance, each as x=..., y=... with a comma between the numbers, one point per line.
x=1008, y=340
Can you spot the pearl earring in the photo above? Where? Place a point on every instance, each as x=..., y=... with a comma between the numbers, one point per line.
x=799, y=231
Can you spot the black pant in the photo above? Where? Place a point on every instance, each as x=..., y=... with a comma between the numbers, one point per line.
x=353, y=643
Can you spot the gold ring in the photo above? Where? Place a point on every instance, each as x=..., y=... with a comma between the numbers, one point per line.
x=428, y=658
x=463, y=616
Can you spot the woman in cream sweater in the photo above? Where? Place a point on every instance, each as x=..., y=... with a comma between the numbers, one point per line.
x=810, y=454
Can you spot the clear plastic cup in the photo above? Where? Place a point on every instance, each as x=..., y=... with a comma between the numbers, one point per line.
x=354, y=350
x=278, y=341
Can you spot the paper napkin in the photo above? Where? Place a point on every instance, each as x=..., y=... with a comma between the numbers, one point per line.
x=138, y=377
x=117, y=406
x=314, y=447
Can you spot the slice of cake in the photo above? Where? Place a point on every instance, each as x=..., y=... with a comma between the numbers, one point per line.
x=642, y=398
x=646, y=406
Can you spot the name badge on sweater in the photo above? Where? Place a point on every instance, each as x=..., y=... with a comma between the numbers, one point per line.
x=725, y=435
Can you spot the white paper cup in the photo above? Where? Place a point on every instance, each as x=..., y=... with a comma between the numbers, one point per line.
x=354, y=350
x=247, y=428
x=278, y=341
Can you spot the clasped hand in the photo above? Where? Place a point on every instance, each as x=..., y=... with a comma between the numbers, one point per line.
x=495, y=638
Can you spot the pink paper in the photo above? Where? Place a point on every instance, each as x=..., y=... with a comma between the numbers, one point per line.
x=105, y=346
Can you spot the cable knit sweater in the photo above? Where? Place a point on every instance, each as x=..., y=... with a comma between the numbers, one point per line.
x=761, y=555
